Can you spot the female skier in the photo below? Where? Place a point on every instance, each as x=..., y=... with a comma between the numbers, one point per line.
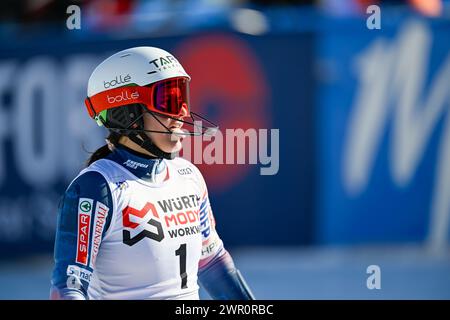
x=137, y=222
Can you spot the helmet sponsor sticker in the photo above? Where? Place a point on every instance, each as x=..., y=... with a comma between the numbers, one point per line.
x=122, y=97
x=122, y=80
x=164, y=63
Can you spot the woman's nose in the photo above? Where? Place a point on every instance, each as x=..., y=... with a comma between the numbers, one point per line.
x=184, y=110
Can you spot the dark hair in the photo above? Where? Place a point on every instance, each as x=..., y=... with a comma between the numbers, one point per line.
x=104, y=151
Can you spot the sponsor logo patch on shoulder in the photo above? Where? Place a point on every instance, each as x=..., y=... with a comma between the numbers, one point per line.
x=83, y=230
x=101, y=213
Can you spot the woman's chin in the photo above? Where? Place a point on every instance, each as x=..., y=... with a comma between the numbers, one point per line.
x=173, y=147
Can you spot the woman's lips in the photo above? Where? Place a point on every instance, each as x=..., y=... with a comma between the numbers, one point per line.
x=179, y=132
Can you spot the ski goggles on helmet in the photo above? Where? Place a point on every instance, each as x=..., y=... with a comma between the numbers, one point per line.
x=167, y=97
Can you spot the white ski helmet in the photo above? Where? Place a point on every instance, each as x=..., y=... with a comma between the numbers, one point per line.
x=136, y=81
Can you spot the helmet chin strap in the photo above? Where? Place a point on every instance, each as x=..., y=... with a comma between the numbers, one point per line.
x=146, y=143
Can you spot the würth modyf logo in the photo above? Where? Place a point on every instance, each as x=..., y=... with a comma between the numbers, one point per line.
x=149, y=207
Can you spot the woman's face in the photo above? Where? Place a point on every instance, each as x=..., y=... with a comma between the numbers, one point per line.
x=166, y=142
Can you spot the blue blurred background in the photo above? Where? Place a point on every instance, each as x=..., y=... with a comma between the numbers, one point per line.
x=363, y=116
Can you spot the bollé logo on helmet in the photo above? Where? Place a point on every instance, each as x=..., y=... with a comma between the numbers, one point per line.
x=117, y=80
x=123, y=96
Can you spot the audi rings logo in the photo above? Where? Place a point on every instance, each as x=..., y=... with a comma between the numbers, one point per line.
x=152, y=223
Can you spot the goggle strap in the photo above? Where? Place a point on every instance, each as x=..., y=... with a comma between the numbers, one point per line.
x=90, y=107
x=110, y=99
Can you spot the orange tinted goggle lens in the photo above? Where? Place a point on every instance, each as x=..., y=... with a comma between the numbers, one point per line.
x=170, y=96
